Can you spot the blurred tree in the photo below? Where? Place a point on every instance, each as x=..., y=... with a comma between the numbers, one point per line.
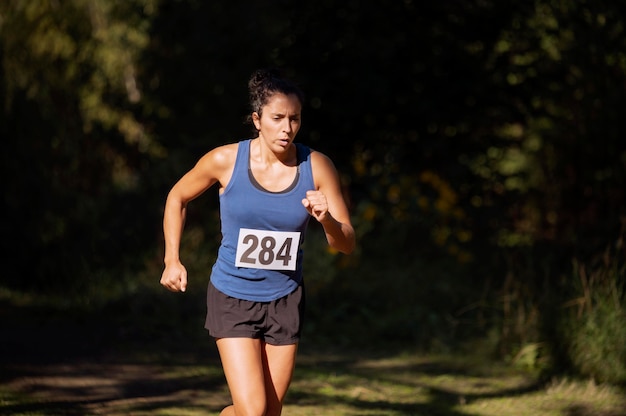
x=558, y=158
x=552, y=170
x=480, y=141
x=74, y=145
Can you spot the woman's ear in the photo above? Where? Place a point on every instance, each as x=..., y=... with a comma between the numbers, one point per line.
x=256, y=120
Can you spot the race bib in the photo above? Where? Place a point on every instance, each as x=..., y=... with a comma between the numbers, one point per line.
x=273, y=250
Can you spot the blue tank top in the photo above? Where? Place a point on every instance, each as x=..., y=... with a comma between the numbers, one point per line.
x=260, y=255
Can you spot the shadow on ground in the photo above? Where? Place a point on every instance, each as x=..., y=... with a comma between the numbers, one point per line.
x=57, y=363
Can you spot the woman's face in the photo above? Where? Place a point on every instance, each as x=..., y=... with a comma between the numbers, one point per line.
x=279, y=121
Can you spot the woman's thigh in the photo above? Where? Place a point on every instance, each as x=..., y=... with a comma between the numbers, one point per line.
x=244, y=371
x=279, y=362
x=258, y=374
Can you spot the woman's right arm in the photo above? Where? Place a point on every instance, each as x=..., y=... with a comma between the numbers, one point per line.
x=215, y=166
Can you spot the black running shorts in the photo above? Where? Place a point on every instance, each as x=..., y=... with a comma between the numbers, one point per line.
x=278, y=322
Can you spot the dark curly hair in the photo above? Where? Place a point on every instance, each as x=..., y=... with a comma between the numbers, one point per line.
x=264, y=83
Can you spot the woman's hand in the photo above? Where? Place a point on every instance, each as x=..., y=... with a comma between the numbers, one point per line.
x=174, y=277
x=316, y=205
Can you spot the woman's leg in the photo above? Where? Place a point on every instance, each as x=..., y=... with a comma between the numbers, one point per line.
x=278, y=362
x=258, y=375
x=243, y=368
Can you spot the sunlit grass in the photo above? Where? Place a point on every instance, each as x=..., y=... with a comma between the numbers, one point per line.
x=423, y=385
x=341, y=385
x=155, y=367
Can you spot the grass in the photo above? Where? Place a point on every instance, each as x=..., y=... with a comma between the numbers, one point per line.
x=447, y=386
x=136, y=359
x=324, y=384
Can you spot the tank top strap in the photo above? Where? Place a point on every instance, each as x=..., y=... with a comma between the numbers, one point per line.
x=241, y=166
x=243, y=156
x=304, y=162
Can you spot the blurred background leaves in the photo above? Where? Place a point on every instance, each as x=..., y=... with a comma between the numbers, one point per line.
x=479, y=143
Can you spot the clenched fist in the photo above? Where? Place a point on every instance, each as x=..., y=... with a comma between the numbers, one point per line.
x=316, y=205
x=174, y=277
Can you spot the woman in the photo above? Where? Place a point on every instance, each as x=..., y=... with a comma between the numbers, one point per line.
x=269, y=187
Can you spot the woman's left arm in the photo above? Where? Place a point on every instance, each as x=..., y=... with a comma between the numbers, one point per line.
x=327, y=205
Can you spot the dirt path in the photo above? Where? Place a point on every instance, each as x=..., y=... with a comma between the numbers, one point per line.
x=323, y=385
x=94, y=388
x=97, y=365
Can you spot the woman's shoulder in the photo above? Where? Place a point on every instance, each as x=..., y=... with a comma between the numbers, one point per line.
x=320, y=159
x=323, y=168
x=221, y=157
x=226, y=150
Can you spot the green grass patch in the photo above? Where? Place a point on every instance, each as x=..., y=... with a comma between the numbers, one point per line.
x=324, y=384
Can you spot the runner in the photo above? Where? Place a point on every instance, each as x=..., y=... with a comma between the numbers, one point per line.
x=269, y=188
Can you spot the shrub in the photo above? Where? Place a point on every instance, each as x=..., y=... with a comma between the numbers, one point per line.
x=594, y=334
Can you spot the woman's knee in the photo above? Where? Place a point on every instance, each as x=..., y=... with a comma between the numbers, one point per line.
x=248, y=409
x=257, y=409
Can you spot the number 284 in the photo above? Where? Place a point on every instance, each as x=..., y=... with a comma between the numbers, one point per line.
x=267, y=249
